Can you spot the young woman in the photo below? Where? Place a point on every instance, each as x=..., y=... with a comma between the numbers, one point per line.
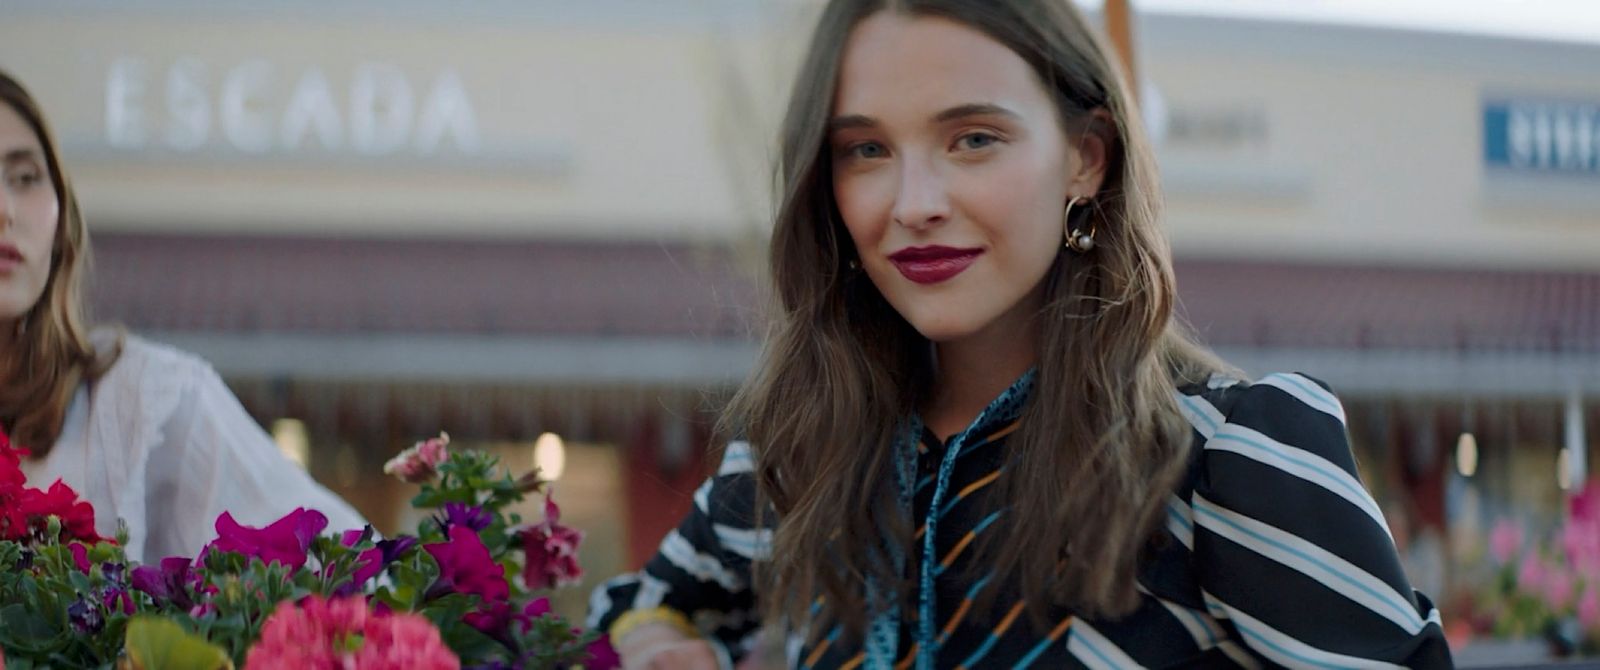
x=143, y=432
x=977, y=437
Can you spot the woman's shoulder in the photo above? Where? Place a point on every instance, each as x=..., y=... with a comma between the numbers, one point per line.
x=1286, y=420
x=152, y=373
x=141, y=358
x=1277, y=398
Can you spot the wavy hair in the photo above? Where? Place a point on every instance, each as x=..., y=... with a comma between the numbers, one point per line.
x=1101, y=442
x=52, y=353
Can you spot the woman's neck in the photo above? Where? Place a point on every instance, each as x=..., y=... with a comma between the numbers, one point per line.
x=972, y=372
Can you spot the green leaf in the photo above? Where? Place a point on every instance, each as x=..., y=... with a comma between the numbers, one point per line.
x=158, y=644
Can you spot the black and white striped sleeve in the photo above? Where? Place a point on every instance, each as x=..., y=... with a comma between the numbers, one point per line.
x=700, y=575
x=1291, y=548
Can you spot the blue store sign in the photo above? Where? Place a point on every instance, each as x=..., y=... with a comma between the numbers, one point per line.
x=1539, y=136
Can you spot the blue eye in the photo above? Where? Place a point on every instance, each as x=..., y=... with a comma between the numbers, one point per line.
x=868, y=150
x=976, y=140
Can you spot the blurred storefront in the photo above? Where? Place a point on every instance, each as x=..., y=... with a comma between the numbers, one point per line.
x=385, y=219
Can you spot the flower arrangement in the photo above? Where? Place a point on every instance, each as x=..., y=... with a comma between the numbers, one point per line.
x=460, y=592
x=1548, y=589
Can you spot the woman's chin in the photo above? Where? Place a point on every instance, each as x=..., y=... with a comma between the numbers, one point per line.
x=944, y=329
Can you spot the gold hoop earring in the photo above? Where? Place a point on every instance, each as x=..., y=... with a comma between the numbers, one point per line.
x=1076, y=239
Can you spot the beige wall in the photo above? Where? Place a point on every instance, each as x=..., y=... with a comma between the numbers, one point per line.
x=1280, y=140
x=1367, y=145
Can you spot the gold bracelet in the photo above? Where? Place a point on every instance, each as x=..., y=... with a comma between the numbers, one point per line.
x=633, y=619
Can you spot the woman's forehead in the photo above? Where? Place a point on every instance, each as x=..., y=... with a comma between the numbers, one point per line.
x=894, y=64
x=16, y=135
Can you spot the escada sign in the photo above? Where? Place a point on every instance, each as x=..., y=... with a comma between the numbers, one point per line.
x=258, y=108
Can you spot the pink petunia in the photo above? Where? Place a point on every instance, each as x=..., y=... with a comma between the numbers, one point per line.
x=421, y=462
x=1558, y=588
x=1531, y=574
x=1505, y=540
x=1580, y=540
x=343, y=633
x=1589, y=609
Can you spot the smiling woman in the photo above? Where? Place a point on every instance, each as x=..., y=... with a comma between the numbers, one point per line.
x=979, y=437
x=143, y=432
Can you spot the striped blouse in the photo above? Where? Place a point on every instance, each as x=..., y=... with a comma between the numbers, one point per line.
x=1277, y=556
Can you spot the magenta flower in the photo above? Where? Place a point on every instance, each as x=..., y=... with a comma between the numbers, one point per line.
x=535, y=609
x=1585, y=507
x=80, y=556
x=602, y=656
x=465, y=566
x=551, y=550
x=286, y=541
x=421, y=462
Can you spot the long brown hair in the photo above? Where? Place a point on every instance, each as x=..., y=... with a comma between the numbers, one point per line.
x=51, y=354
x=1101, y=442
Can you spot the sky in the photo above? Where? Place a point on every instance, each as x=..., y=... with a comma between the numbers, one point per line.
x=1563, y=20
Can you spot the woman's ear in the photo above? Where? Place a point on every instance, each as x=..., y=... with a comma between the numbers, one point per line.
x=1091, y=153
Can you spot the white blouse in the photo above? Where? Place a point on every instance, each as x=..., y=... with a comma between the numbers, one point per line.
x=160, y=442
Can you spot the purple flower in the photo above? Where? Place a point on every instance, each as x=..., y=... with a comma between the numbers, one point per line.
x=113, y=572
x=472, y=517
x=116, y=599
x=286, y=541
x=170, y=582
x=85, y=616
x=395, y=548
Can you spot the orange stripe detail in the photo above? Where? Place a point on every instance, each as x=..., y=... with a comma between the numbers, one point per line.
x=911, y=655
x=1060, y=628
x=1011, y=617
x=955, y=619
x=816, y=654
x=956, y=551
x=985, y=481
x=1004, y=431
x=854, y=662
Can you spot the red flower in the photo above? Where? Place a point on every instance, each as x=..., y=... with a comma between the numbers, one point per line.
x=551, y=550
x=286, y=541
x=77, y=516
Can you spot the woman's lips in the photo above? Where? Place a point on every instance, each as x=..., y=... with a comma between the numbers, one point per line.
x=931, y=265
